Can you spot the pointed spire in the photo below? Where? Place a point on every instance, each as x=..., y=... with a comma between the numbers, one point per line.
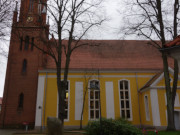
x=16, y=8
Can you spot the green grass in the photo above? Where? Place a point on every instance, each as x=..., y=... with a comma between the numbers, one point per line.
x=76, y=133
x=164, y=133
x=39, y=133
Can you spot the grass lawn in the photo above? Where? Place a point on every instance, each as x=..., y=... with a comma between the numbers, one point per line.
x=77, y=133
x=164, y=133
x=39, y=133
x=46, y=134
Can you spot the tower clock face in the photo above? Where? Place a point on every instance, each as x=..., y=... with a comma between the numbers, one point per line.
x=29, y=19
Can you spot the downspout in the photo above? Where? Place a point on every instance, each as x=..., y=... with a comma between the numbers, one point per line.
x=45, y=102
x=138, y=100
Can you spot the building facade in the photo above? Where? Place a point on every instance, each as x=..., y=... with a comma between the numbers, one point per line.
x=115, y=79
x=24, y=60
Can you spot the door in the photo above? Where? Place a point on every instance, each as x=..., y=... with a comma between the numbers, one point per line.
x=177, y=120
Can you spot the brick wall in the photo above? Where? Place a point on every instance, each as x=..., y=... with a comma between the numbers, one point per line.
x=17, y=81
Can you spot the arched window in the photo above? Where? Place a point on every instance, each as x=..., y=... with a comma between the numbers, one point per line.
x=24, y=66
x=26, y=43
x=32, y=44
x=94, y=100
x=21, y=43
x=21, y=100
x=39, y=7
x=31, y=2
x=124, y=99
x=146, y=103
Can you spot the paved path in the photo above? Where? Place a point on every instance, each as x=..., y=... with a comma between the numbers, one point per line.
x=7, y=132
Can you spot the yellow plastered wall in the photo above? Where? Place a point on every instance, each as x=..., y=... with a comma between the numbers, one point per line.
x=50, y=92
x=143, y=113
x=162, y=106
x=50, y=99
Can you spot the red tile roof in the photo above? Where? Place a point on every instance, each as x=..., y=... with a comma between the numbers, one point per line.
x=175, y=42
x=115, y=55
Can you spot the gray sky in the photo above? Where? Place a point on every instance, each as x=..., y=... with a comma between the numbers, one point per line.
x=108, y=31
x=3, y=63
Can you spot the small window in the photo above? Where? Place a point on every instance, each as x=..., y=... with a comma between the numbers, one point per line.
x=26, y=43
x=21, y=101
x=21, y=43
x=146, y=108
x=32, y=44
x=94, y=84
x=24, y=66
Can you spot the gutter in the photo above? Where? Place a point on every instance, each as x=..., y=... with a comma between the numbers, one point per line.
x=169, y=48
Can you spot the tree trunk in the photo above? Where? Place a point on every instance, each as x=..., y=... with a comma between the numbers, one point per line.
x=61, y=95
x=170, y=103
x=84, y=99
x=170, y=113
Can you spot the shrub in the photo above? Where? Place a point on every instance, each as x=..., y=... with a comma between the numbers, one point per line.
x=111, y=127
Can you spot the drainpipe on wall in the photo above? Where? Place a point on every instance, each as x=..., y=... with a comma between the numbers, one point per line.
x=138, y=100
x=45, y=103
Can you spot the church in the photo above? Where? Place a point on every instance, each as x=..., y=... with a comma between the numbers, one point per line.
x=118, y=78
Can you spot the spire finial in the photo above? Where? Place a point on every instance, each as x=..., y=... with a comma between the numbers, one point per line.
x=16, y=8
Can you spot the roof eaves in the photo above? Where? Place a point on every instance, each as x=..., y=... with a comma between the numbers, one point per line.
x=151, y=81
x=169, y=48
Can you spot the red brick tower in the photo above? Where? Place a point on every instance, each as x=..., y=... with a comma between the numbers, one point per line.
x=28, y=34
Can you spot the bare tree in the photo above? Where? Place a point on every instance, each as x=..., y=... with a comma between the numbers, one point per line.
x=156, y=19
x=86, y=81
x=70, y=21
x=6, y=7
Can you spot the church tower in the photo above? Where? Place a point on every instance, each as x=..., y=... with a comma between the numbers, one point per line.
x=29, y=32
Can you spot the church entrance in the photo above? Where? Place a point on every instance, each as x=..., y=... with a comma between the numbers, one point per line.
x=177, y=119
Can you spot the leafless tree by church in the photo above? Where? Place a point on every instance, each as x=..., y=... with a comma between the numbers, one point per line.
x=156, y=20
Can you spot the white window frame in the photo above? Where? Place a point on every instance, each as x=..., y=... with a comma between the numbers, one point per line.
x=146, y=106
x=129, y=92
x=68, y=102
x=95, y=100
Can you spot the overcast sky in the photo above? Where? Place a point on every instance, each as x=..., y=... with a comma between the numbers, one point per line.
x=108, y=31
